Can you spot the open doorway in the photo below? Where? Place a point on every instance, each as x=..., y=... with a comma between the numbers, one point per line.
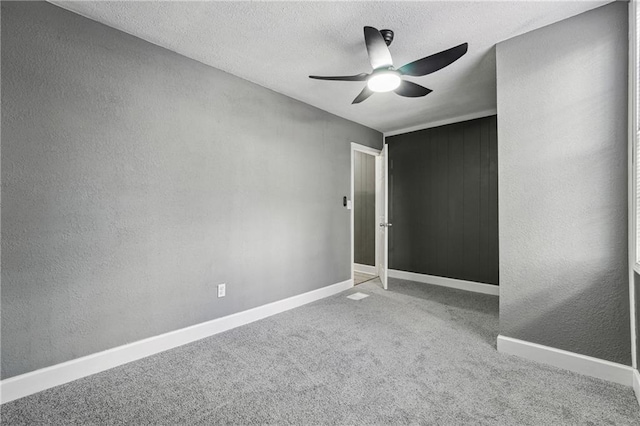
x=368, y=211
x=364, y=217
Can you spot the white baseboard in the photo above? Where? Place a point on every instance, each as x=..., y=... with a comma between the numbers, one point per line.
x=446, y=282
x=636, y=384
x=365, y=269
x=582, y=364
x=45, y=378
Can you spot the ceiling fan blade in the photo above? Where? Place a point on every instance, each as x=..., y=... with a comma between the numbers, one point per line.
x=359, y=77
x=366, y=92
x=434, y=62
x=379, y=55
x=412, y=90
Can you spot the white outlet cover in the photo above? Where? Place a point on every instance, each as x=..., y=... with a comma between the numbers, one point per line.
x=222, y=290
x=357, y=296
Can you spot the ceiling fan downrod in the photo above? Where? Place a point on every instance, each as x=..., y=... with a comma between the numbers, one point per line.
x=387, y=35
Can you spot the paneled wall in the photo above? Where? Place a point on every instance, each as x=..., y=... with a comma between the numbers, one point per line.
x=364, y=206
x=444, y=201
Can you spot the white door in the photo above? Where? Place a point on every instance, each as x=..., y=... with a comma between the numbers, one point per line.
x=383, y=223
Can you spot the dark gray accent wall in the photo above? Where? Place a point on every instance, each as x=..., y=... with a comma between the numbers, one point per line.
x=364, y=209
x=134, y=180
x=562, y=145
x=443, y=196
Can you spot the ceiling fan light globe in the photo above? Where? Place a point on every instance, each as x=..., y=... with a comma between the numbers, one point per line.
x=384, y=81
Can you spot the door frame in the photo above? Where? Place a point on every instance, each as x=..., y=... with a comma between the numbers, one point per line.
x=376, y=153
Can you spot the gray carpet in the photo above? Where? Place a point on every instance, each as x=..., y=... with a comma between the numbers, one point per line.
x=414, y=354
x=360, y=277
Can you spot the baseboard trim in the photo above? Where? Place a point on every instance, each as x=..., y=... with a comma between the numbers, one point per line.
x=582, y=364
x=365, y=269
x=636, y=384
x=446, y=282
x=55, y=375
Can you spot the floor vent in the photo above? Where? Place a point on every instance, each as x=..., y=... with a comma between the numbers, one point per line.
x=357, y=296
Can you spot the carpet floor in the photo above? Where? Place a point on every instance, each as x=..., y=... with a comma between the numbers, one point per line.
x=416, y=354
x=360, y=277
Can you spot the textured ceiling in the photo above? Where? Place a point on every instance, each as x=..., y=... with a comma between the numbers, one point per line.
x=278, y=44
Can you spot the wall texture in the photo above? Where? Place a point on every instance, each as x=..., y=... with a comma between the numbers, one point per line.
x=562, y=149
x=636, y=283
x=443, y=204
x=364, y=209
x=135, y=180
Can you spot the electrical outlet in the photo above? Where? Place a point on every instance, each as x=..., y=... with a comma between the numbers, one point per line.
x=222, y=290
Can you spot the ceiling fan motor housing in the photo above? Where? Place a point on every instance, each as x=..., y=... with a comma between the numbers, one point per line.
x=387, y=35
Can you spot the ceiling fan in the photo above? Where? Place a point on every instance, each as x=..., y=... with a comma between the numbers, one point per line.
x=385, y=77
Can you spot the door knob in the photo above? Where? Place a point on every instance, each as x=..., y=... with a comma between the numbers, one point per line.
x=385, y=224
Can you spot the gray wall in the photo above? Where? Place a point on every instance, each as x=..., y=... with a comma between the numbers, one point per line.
x=562, y=149
x=443, y=201
x=364, y=208
x=134, y=180
x=636, y=283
